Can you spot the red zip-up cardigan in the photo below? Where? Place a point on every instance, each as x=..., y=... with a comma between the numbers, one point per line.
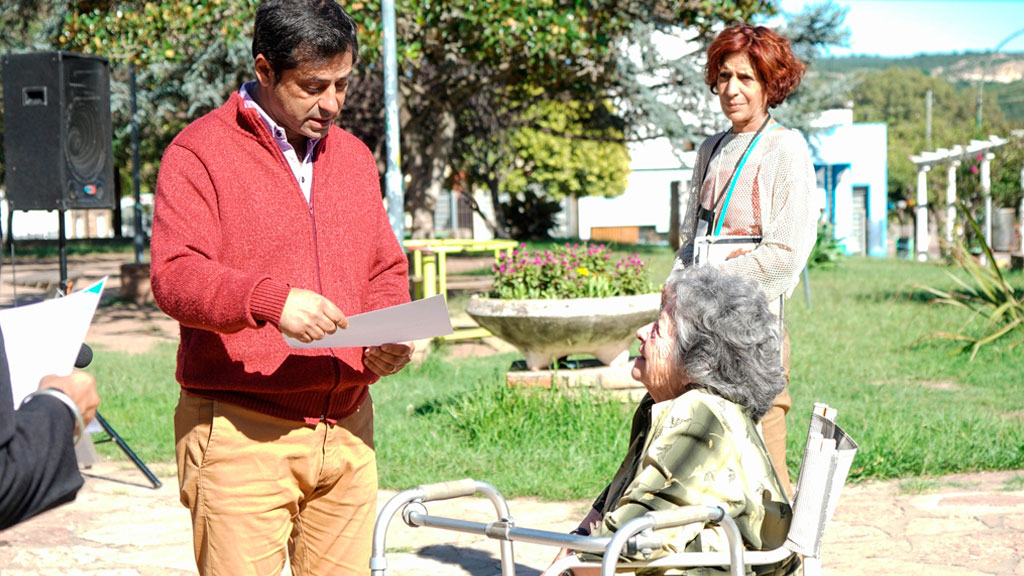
x=233, y=233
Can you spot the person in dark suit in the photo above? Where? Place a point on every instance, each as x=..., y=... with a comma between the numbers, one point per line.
x=38, y=466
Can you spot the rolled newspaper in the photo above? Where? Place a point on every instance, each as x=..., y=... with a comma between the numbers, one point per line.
x=828, y=456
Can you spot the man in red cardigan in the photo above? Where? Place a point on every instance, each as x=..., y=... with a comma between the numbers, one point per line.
x=269, y=221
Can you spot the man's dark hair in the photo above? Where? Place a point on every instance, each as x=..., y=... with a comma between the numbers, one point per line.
x=293, y=32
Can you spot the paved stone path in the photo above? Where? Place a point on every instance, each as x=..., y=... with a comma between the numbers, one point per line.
x=966, y=524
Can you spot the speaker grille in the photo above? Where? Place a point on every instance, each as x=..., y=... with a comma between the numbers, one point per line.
x=87, y=133
x=84, y=145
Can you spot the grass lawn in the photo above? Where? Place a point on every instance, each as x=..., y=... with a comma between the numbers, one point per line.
x=916, y=410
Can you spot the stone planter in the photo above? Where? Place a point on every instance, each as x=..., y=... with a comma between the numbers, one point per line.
x=545, y=330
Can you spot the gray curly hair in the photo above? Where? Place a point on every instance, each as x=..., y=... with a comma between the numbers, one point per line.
x=727, y=340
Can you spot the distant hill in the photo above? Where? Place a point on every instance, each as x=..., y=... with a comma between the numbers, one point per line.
x=1002, y=68
x=1003, y=73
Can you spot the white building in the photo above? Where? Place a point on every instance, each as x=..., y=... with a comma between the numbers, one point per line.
x=96, y=223
x=641, y=213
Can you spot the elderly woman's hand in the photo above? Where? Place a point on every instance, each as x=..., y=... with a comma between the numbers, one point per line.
x=561, y=554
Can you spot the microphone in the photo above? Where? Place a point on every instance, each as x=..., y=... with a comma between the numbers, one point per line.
x=84, y=357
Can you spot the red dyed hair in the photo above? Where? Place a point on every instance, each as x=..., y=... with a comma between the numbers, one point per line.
x=770, y=54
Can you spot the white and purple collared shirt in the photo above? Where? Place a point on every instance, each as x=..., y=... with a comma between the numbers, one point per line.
x=302, y=169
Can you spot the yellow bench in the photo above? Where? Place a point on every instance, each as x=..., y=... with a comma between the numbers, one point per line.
x=429, y=268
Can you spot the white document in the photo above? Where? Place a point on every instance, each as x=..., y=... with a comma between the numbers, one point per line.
x=46, y=337
x=427, y=318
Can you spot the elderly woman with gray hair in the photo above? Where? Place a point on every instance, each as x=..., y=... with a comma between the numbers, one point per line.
x=711, y=367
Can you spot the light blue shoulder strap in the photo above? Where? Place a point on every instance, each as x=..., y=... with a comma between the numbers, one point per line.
x=736, y=176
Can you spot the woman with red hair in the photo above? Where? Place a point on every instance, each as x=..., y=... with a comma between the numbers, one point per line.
x=754, y=180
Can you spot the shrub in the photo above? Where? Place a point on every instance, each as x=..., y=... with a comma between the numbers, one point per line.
x=529, y=216
x=569, y=271
x=986, y=293
x=827, y=251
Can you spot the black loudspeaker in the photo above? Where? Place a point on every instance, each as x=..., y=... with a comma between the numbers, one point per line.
x=57, y=132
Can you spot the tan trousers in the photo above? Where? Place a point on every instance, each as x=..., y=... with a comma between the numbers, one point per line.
x=773, y=424
x=263, y=491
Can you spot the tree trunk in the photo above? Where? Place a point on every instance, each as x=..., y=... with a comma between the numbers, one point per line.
x=428, y=155
x=501, y=230
x=475, y=206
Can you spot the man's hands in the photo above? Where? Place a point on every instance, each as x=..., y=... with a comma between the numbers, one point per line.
x=387, y=359
x=308, y=316
x=80, y=387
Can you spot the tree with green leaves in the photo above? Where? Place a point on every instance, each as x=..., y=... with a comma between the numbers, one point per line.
x=810, y=31
x=501, y=53
x=897, y=96
x=557, y=152
x=190, y=55
x=668, y=96
x=539, y=156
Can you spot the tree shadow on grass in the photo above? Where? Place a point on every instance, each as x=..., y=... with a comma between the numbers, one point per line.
x=914, y=295
x=440, y=405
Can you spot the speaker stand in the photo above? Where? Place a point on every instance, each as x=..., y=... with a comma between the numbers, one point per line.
x=62, y=251
x=112, y=435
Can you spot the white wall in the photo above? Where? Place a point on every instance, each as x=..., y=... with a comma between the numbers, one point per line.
x=863, y=148
x=645, y=202
x=34, y=224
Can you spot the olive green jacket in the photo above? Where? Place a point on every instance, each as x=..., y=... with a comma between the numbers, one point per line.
x=699, y=449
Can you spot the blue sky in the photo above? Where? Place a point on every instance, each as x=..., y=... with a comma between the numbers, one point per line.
x=908, y=27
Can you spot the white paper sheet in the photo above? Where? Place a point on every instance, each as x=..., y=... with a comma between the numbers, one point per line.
x=46, y=337
x=427, y=318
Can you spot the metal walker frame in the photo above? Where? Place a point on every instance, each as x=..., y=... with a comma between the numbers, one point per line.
x=635, y=536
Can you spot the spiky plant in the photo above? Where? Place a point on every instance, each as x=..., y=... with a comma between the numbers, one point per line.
x=985, y=293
